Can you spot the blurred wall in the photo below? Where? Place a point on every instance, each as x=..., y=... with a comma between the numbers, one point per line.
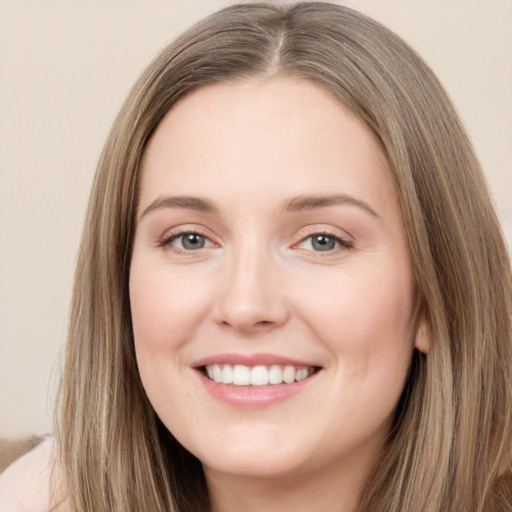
x=65, y=68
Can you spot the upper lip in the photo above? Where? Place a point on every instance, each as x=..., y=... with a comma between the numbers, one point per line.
x=263, y=359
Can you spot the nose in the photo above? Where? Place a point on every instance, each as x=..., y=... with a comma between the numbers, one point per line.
x=252, y=298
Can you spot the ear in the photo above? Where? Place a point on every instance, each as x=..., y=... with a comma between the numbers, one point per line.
x=423, y=337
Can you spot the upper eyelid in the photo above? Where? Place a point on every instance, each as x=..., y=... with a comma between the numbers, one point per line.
x=309, y=231
x=175, y=236
x=174, y=233
x=343, y=241
x=187, y=228
x=322, y=229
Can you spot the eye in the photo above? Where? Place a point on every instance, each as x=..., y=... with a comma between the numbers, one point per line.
x=324, y=242
x=189, y=241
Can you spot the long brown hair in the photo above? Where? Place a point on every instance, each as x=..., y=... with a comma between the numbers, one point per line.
x=450, y=446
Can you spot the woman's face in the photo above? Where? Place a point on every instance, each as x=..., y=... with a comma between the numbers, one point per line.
x=271, y=283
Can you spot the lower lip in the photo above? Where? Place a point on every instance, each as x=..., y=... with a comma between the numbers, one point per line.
x=253, y=396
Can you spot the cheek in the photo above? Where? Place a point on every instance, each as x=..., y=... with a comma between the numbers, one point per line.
x=359, y=302
x=165, y=308
x=366, y=325
x=365, y=319
x=166, y=312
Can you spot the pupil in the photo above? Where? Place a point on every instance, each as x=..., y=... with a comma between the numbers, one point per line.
x=323, y=243
x=193, y=241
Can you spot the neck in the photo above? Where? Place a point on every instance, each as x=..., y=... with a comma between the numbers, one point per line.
x=329, y=490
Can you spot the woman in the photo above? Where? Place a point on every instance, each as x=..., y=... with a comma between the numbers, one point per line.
x=292, y=291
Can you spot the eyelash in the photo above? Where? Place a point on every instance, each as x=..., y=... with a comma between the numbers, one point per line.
x=167, y=240
x=343, y=243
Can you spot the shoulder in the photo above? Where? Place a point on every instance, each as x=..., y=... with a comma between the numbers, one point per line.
x=25, y=485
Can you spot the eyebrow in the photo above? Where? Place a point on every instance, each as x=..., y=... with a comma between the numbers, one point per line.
x=186, y=202
x=296, y=204
x=304, y=203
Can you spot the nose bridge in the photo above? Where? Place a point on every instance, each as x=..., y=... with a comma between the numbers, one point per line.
x=252, y=296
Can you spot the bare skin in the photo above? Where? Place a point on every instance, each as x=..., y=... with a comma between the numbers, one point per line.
x=269, y=231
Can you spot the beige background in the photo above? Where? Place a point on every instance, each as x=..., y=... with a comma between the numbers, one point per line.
x=65, y=68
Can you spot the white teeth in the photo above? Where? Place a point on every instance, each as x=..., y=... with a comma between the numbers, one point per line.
x=240, y=375
x=301, y=374
x=217, y=373
x=289, y=374
x=275, y=375
x=227, y=374
x=259, y=376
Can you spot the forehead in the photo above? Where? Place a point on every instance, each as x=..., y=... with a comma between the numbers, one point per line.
x=280, y=134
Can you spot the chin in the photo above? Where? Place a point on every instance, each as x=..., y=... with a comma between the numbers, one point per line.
x=271, y=466
x=250, y=457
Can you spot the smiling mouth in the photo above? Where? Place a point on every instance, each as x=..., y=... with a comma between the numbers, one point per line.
x=260, y=375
